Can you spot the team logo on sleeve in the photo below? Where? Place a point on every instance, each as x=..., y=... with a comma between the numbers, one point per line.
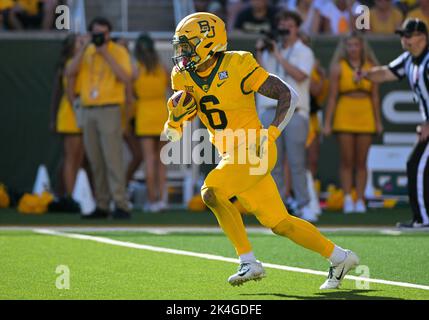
x=223, y=75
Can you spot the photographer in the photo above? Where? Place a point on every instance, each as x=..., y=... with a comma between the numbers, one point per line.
x=104, y=69
x=284, y=54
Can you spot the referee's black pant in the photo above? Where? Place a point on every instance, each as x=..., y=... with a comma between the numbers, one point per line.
x=418, y=182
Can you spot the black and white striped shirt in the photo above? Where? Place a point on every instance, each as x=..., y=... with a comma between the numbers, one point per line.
x=416, y=69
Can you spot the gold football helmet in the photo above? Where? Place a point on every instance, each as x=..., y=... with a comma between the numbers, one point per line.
x=197, y=38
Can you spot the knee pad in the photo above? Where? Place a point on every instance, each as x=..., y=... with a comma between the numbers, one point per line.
x=209, y=196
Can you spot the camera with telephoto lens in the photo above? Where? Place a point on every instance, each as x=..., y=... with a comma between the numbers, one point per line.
x=273, y=35
x=98, y=39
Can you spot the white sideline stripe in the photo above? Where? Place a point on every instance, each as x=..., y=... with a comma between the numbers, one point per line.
x=161, y=230
x=215, y=257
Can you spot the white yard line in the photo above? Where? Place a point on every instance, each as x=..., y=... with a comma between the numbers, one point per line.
x=201, y=229
x=214, y=257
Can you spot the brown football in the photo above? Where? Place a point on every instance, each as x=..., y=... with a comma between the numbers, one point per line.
x=177, y=95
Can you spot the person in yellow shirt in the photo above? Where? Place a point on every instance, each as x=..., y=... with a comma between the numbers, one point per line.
x=104, y=70
x=223, y=84
x=150, y=85
x=385, y=18
x=32, y=14
x=421, y=12
x=64, y=120
x=354, y=108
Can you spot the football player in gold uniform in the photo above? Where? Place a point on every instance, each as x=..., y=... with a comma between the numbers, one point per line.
x=223, y=84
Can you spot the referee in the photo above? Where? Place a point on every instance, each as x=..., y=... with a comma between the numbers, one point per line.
x=413, y=64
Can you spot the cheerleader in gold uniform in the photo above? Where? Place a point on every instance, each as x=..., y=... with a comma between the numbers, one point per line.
x=319, y=86
x=128, y=115
x=354, y=108
x=64, y=119
x=150, y=86
x=128, y=118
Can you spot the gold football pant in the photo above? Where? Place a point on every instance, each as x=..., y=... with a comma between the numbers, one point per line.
x=259, y=195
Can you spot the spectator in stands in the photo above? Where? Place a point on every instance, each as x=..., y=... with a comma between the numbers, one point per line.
x=104, y=69
x=319, y=86
x=290, y=59
x=128, y=114
x=233, y=7
x=339, y=16
x=258, y=17
x=421, y=12
x=64, y=120
x=201, y=5
x=309, y=12
x=150, y=85
x=405, y=5
x=5, y=7
x=217, y=7
x=385, y=18
x=354, y=108
x=32, y=14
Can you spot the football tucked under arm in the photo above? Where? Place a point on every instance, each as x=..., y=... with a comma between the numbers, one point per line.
x=181, y=107
x=287, y=99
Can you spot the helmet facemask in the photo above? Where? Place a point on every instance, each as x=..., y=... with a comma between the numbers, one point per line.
x=198, y=37
x=184, y=55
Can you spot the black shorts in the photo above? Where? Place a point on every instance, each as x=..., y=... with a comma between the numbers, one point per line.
x=5, y=18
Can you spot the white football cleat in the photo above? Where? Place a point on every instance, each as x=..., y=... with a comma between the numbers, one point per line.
x=246, y=272
x=349, y=205
x=308, y=214
x=151, y=207
x=360, y=206
x=338, y=272
x=162, y=205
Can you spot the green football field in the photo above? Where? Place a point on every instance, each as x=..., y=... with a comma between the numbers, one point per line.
x=107, y=264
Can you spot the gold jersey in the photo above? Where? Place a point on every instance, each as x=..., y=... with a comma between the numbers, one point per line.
x=347, y=83
x=225, y=99
x=151, y=112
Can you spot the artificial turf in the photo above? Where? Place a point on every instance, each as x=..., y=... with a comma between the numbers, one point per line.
x=103, y=271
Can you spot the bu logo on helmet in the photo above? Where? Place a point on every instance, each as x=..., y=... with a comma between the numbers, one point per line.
x=206, y=28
